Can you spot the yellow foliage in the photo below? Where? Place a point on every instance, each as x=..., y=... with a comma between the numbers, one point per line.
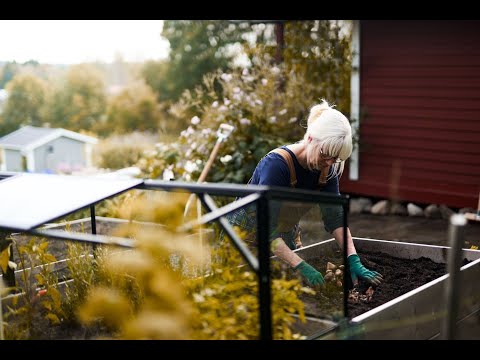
x=4, y=258
x=107, y=304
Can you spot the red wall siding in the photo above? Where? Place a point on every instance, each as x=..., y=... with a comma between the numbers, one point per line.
x=420, y=105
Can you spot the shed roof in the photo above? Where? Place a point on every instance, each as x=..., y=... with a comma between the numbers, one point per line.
x=30, y=137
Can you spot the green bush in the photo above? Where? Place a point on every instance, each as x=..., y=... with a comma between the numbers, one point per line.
x=248, y=100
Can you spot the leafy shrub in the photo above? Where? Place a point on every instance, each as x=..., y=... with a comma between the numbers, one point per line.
x=120, y=151
x=267, y=106
x=226, y=301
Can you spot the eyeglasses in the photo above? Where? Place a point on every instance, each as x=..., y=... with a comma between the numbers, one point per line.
x=335, y=159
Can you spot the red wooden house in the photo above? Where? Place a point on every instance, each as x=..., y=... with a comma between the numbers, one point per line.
x=416, y=95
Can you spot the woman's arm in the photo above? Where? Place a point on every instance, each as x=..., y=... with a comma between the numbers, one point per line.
x=338, y=234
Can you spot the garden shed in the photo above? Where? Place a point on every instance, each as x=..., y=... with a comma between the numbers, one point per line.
x=41, y=149
x=415, y=98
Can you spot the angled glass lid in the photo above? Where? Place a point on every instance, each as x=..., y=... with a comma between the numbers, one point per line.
x=30, y=200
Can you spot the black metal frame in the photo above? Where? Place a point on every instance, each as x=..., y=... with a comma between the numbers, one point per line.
x=261, y=195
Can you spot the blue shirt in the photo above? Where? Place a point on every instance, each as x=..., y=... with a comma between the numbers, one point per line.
x=273, y=170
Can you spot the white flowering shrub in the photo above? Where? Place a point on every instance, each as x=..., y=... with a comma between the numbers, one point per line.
x=266, y=106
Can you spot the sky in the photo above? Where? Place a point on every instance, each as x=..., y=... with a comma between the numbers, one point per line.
x=76, y=41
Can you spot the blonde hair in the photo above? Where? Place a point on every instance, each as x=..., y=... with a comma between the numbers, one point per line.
x=331, y=133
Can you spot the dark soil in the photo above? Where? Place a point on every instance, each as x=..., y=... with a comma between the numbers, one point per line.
x=400, y=276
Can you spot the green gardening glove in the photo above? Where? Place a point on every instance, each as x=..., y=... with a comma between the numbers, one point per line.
x=357, y=270
x=312, y=276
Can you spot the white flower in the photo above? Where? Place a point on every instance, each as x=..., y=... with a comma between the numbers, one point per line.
x=259, y=102
x=167, y=175
x=241, y=308
x=226, y=77
x=226, y=102
x=190, y=166
x=195, y=120
x=275, y=70
x=272, y=119
x=292, y=120
x=283, y=112
x=225, y=159
x=245, y=71
x=198, y=298
x=215, y=104
x=209, y=292
x=223, y=108
x=187, y=132
x=245, y=121
x=264, y=82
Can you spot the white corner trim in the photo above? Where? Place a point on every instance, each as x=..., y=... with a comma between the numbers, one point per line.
x=3, y=164
x=88, y=155
x=355, y=99
x=30, y=160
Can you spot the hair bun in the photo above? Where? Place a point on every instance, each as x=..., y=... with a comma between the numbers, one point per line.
x=317, y=110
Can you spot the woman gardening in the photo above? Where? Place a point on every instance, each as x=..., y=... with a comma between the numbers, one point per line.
x=314, y=163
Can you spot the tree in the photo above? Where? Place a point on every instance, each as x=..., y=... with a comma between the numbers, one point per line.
x=155, y=73
x=10, y=69
x=197, y=48
x=134, y=109
x=319, y=51
x=25, y=104
x=316, y=64
x=80, y=102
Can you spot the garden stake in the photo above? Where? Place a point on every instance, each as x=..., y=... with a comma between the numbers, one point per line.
x=223, y=133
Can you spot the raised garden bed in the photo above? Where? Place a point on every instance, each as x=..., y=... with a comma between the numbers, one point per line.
x=407, y=305
x=410, y=303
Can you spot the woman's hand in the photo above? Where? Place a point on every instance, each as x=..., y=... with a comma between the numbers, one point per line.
x=357, y=270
